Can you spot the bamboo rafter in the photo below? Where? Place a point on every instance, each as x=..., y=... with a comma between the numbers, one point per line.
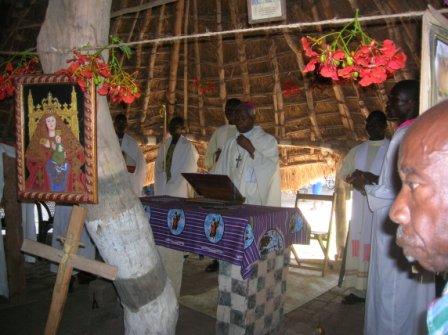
x=174, y=58
x=197, y=61
x=220, y=59
x=151, y=64
x=241, y=49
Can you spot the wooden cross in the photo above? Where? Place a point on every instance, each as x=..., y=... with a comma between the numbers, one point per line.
x=67, y=260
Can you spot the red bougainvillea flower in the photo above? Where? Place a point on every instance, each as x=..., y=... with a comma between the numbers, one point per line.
x=375, y=75
x=306, y=45
x=311, y=65
x=110, y=79
x=329, y=71
x=397, y=62
x=348, y=72
x=16, y=66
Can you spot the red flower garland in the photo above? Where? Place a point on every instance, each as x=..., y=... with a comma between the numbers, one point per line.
x=26, y=64
x=371, y=63
x=112, y=80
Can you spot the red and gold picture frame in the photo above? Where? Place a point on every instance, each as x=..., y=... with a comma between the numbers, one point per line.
x=56, y=140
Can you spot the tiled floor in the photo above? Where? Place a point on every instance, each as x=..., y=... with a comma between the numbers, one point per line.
x=324, y=312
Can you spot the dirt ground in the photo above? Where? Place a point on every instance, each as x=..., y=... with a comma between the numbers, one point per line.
x=83, y=315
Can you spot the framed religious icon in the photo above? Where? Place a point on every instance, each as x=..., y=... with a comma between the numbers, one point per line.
x=260, y=11
x=56, y=140
x=434, y=63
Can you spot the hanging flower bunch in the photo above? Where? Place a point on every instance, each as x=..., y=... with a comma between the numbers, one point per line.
x=23, y=63
x=290, y=89
x=352, y=54
x=110, y=79
x=202, y=88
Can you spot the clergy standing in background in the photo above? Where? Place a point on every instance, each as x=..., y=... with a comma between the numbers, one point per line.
x=396, y=298
x=221, y=135
x=133, y=155
x=214, y=147
x=176, y=155
x=250, y=159
x=361, y=167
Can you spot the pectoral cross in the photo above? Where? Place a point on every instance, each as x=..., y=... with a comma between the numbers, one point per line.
x=238, y=160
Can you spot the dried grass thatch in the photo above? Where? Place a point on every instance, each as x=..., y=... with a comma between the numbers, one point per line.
x=251, y=66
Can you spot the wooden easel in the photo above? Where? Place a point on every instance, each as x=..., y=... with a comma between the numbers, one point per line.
x=67, y=260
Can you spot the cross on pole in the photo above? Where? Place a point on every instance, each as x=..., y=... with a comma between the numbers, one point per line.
x=67, y=260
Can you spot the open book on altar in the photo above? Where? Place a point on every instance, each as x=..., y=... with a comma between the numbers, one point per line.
x=214, y=188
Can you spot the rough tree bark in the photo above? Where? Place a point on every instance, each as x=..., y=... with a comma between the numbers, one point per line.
x=117, y=224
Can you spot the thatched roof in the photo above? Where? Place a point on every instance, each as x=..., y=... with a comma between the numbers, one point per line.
x=313, y=127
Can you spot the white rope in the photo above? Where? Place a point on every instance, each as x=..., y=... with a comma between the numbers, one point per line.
x=298, y=25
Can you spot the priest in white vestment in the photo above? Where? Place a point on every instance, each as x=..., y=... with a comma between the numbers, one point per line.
x=361, y=166
x=251, y=160
x=175, y=155
x=397, y=299
x=221, y=135
x=133, y=155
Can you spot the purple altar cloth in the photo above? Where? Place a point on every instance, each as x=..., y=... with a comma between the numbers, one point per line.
x=236, y=234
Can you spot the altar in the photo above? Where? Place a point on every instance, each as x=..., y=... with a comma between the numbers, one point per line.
x=252, y=245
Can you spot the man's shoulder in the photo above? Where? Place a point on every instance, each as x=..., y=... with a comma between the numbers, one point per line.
x=224, y=128
x=260, y=133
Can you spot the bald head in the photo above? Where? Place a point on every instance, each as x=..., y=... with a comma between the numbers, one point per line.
x=421, y=207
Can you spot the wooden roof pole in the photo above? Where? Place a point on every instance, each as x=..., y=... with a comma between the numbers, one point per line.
x=277, y=94
x=346, y=118
x=141, y=35
x=362, y=106
x=174, y=59
x=197, y=63
x=220, y=58
x=308, y=93
x=185, y=114
x=118, y=21
x=131, y=31
x=233, y=5
x=151, y=64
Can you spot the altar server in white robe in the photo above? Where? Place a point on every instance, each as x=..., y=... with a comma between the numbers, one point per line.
x=362, y=166
x=133, y=155
x=396, y=298
x=4, y=290
x=251, y=160
x=221, y=135
x=176, y=155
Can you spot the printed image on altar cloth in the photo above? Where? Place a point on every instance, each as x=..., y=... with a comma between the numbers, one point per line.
x=295, y=223
x=272, y=240
x=56, y=140
x=175, y=221
x=214, y=227
x=248, y=235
